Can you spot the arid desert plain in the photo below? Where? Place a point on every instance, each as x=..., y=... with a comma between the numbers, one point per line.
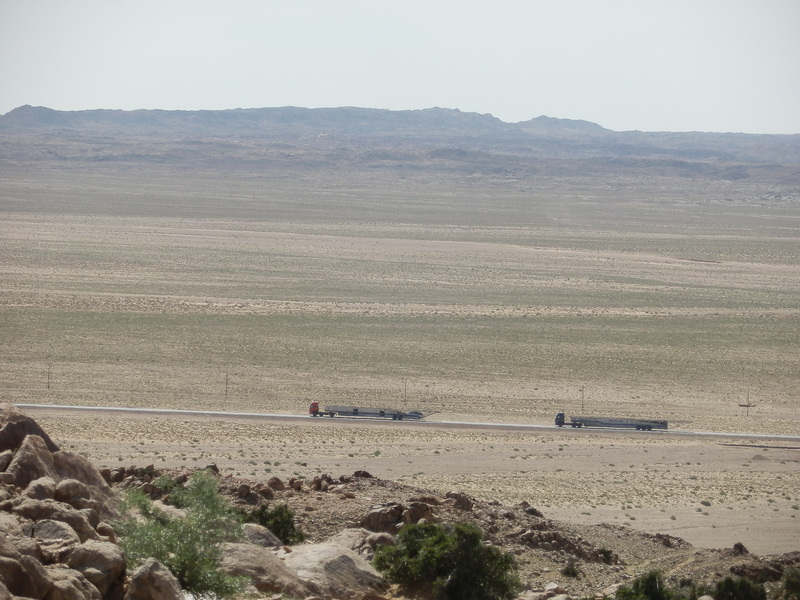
x=480, y=301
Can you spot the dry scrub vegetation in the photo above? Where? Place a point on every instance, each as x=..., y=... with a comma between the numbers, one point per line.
x=485, y=300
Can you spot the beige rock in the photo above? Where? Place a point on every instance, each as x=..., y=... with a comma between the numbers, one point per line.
x=107, y=531
x=268, y=573
x=37, y=510
x=67, y=584
x=10, y=525
x=339, y=572
x=153, y=581
x=103, y=564
x=5, y=459
x=48, y=529
x=15, y=427
x=383, y=517
x=32, y=461
x=261, y=536
x=380, y=539
x=417, y=511
x=554, y=588
x=67, y=490
x=23, y=575
x=41, y=489
x=460, y=500
x=276, y=484
x=76, y=467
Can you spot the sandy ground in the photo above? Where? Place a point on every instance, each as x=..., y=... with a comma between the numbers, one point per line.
x=713, y=492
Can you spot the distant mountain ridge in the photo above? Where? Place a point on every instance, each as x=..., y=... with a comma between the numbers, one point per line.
x=364, y=121
x=410, y=138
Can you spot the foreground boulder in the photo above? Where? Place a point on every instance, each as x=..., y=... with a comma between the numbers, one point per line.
x=336, y=571
x=269, y=574
x=103, y=564
x=15, y=427
x=153, y=581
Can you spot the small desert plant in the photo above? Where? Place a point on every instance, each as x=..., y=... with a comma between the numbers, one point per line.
x=607, y=555
x=570, y=569
x=649, y=586
x=448, y=563
x=739, y=588
x=791, y=584
x=189, y=547
x=279, y=520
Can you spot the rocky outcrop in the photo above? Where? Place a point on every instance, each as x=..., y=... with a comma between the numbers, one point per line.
x=56, y=542
x=391, y=517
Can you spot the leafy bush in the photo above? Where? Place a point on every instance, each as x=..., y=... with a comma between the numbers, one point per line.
x=279, y=520
x=448, y=563
x=739, y=588
x=649, y=586
x=189, y=547
x=791, y=584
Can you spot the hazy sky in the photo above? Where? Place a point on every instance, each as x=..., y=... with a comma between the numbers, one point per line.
x=676, y=65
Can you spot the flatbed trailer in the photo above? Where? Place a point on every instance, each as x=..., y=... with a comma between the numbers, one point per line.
x=610, y=422
x=363, y=412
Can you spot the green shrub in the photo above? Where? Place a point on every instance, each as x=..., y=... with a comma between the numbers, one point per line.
x=189, y=547
x=279, y=520
x=649, y=586
x=448, y=564
x=791, y=584
x=739, y=588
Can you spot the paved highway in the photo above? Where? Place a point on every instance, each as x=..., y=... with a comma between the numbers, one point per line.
x=427, y=423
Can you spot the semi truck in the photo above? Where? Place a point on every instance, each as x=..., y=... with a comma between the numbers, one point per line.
x=610, y=422
x=365, y=412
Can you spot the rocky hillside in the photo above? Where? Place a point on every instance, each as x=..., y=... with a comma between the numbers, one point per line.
x=58, y=515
